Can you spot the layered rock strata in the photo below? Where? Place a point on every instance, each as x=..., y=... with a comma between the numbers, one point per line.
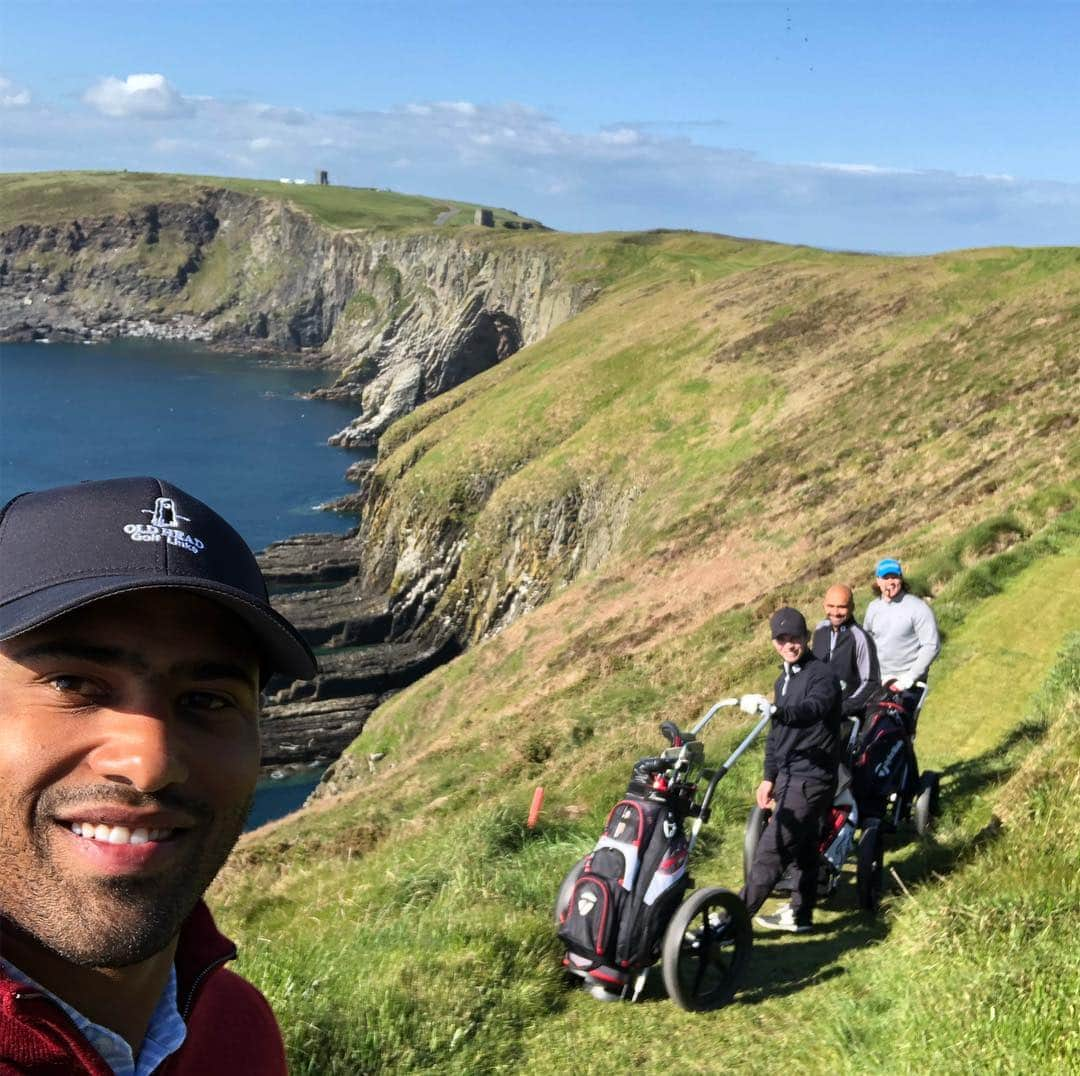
x=405, y=315
x=361, y=662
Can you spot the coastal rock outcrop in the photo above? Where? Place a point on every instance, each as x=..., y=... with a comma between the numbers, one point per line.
x=363, y=659
x=405, y=315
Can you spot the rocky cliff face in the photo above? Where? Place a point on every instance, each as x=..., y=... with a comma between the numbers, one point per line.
x=91, y=278
x=450, y=579
x=429, y=312
x=405, y=315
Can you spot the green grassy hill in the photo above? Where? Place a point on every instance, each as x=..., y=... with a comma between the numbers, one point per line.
x=727, y=426
x=733, y=417
x=51, y=197
x=730, y=426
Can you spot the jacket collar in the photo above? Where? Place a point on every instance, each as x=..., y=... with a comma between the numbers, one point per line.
x=201, y=949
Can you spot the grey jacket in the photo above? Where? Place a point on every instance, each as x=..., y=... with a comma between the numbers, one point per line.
x=905, y=634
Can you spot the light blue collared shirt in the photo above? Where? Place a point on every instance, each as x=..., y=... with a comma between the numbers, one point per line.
x=164, y=1036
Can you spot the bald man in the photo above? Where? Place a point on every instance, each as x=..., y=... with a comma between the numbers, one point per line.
x=840, y=642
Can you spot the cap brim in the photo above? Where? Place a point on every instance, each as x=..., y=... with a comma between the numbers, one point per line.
x=282, y=647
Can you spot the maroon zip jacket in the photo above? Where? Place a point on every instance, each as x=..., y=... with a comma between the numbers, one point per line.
x=230, y=1028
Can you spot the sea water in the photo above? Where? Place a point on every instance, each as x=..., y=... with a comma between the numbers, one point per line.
x=228, y=428
x=276, y=798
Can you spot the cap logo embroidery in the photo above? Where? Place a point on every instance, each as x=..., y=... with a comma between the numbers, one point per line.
x=163, y=525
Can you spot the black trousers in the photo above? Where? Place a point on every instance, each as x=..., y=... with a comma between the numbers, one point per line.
x=910, y=701
x=792, y=836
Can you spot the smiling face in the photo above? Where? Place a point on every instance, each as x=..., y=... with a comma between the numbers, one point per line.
x=839, y=602
x=790, y=647
x=128, y=759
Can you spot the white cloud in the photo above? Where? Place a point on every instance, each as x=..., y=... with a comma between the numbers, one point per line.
x=140, y=96
x=864, y=169
x=558, y=186
x=291, y=117
x=622, y=136
x=628, y=176
x=12, y=96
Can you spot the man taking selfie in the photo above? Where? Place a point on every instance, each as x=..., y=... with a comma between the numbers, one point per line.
x=135, y=635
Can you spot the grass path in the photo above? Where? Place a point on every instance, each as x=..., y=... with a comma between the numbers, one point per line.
x=993, y=663
x=990, y=671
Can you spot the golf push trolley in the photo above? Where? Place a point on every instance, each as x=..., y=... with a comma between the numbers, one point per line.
x=621, y=908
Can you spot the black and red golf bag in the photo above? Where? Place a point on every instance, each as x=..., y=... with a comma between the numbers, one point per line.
x=628, y=887
x=881, y=763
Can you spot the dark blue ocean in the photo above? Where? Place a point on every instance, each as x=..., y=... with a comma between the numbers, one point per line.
x=227, y=428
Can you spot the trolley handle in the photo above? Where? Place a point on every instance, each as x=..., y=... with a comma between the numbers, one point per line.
x=716, y=706
x=706, y=799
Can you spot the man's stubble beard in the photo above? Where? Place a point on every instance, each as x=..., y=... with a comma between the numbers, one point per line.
x=110, y=922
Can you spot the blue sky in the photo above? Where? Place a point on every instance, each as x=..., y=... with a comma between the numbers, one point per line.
x=900, y=127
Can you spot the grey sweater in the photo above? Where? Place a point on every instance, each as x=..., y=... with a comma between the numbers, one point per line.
x=905, y=634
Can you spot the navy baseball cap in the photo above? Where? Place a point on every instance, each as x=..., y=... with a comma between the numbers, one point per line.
x=63, y=548
x=787, y=621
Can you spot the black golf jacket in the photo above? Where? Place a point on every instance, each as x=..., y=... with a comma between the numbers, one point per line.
x=853, y=657
x=804, y=735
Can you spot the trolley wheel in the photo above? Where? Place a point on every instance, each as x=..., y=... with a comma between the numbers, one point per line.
x=926, y=803
x=566, y=890
x=756, y=822
x=869, y=865
x=706, y=947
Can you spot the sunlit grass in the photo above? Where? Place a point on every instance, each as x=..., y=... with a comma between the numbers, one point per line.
x=408, y=928
x=45, y=197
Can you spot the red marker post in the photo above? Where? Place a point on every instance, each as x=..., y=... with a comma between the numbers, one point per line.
x=537, y=803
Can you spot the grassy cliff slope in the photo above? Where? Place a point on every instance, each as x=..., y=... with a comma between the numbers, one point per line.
x=51, y=197
x=728, y=427
x=728, y=417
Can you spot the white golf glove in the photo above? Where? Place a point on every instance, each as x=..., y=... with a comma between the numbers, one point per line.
x=755, y=704
x=904, y=683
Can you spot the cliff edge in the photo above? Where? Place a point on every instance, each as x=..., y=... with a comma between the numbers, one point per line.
x=404, y=309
